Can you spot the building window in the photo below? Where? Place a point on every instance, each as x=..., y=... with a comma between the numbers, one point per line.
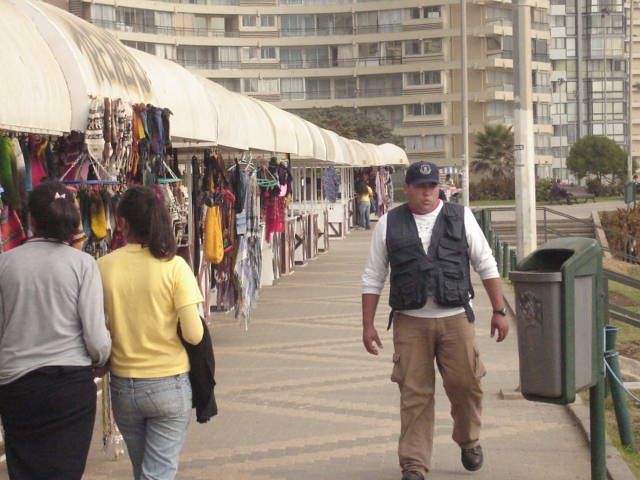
x=249, y=20
x=420, y=109
x=267, y=20
x=317, y=88
x=250, y=53
x=432, y=78
x=292, y=88
x=559, y=42
x=345, y=87
x=413, y=13
x=539, y=52
x=103, y=16
x=412, y=78
x=433, y=46
x=412, y=47
x=424, y=143
x=431, y=12
x=268, y=52
x=494, y=43
x=432, y=108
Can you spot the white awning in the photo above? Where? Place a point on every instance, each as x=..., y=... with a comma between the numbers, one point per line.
x=93, y=62
x=180, y=91
x=284, y=131
x=33, y=94
x=393, y=155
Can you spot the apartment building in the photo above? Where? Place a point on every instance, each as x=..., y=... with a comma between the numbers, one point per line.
x=396, y=58
x=589, y=55
x=633, y=85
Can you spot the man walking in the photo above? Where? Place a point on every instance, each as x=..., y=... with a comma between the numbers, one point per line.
x=429, y=245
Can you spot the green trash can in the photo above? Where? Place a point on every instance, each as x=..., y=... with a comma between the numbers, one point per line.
x=559, y=313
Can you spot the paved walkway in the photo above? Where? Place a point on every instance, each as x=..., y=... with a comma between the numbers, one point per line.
x=300, y=399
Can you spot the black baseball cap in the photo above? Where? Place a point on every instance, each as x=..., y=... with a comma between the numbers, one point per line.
x=422, y=172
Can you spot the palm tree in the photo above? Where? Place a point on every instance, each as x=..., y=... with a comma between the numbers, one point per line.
x=494, y=154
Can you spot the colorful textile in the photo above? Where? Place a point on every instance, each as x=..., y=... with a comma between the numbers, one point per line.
x=12, y=233
x=7, y=174
x=248, y=267
x=275, y=215
x=94, y=135
x=331, y=184
x=213, y=244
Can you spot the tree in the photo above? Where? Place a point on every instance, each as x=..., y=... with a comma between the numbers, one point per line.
x=599, y=156
x=352, y=123
x=494, y=153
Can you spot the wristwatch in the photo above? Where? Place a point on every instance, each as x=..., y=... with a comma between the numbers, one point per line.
x=502, y=311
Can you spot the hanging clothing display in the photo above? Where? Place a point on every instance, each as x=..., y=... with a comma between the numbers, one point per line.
x=331, y=183
x=248, y=267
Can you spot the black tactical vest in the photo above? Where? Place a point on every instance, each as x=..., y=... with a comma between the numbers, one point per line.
x=442, y=273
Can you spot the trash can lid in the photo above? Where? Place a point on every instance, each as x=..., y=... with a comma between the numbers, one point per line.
x=535, y=277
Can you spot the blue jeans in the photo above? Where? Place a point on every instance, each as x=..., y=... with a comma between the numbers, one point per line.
x=152, y=415
x=364, y=209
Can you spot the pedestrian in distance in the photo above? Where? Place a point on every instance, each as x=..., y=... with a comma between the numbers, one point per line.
x=364, y=206
x=148, y=290
x=429, y=245
x=52, y=336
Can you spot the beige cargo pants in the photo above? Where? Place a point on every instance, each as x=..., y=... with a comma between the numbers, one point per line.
x=451, y=342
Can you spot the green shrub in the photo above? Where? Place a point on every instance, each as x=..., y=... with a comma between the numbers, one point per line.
x=494, y=188
x=626, y=221
x=543, y=190
x=600, y=189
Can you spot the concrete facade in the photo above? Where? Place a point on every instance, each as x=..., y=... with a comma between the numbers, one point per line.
x=589, y=55
x=396, y=58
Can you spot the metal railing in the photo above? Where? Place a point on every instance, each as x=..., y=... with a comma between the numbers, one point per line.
x=294, y=64
x=618, y=312
x=506, y=258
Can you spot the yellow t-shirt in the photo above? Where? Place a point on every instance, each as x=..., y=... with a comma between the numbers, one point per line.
x=366, y=197
x=142, y=296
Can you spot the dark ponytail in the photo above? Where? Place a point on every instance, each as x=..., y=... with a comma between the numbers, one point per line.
x=149, y=220
x=54, y=212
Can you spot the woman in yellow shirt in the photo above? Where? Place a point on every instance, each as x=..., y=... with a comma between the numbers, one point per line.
x=148, y=290
x=364, y=206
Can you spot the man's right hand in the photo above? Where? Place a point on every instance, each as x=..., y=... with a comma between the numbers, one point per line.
x=370, y=339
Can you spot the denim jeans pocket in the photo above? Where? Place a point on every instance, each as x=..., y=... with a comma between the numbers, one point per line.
x=171, y=399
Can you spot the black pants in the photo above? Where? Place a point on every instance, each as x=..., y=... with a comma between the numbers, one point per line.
x=48, y=420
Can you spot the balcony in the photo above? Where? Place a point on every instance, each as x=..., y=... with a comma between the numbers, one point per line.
x=540, y=57
x=338, y=94
x=542, y=120
x=542, y=88
x=297, y=64
x=283, y=32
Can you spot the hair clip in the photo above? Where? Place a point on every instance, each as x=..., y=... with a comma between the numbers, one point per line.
x=59, y=195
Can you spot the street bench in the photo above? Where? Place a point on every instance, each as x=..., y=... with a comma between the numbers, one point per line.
x=569, y=194
x=575, y=193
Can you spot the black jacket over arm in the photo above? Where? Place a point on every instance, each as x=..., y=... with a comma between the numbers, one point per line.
x=202, y=375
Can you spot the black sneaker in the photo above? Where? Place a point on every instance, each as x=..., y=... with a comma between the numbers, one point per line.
x=472, y=458
x=412, y=475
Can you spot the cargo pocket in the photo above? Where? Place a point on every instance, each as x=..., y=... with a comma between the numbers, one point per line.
x=478, y=369
x=396, y=373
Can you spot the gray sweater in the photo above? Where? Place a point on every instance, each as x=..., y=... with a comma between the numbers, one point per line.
x=51, y=309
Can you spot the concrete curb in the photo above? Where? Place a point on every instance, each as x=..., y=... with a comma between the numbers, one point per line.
x=617, y=468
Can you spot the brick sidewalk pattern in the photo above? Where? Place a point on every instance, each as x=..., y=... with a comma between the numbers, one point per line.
x=299, y=397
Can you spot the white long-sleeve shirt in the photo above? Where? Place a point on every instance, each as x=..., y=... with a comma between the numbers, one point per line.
x=377, y=269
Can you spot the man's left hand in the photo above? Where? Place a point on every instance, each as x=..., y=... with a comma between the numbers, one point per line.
x=501, y=324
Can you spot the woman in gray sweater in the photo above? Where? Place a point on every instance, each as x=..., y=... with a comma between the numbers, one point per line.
x=52, y=335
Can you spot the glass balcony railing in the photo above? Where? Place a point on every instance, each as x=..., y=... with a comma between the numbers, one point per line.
x=294, y=64
x=542, y=88
x=215, y=32
x=339, y=93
